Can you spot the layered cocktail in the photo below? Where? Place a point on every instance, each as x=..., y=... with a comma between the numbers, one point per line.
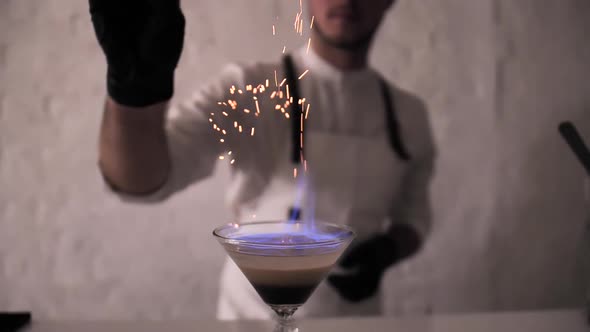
x=284, y=261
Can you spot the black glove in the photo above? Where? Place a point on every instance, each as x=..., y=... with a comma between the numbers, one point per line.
x=370, y=259
x=142, y=41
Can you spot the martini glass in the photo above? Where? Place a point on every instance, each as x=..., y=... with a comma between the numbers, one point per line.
x=284, y=261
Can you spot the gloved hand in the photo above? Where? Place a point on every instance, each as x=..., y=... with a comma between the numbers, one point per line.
x=370, y=259
x=142, y=41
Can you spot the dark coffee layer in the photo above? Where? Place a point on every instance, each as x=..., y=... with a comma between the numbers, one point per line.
x=285, y=295
x=285, y=278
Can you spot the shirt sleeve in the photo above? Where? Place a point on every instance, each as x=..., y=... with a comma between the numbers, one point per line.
x=414, y=205
x=200, y=130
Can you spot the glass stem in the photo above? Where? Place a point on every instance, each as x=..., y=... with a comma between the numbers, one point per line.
x=285, y=320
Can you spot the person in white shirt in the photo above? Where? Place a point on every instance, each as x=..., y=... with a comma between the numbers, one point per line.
x=364, y=146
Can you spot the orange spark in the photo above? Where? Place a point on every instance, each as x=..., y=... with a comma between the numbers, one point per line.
x=305, y=72
x=257, y=108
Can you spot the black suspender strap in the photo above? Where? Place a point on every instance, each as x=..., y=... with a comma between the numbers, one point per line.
x=392, y=123
x=296, y=110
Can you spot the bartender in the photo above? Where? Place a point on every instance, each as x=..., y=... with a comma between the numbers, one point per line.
x=363, y=145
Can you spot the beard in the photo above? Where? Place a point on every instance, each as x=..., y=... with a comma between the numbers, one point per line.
x=362, y=42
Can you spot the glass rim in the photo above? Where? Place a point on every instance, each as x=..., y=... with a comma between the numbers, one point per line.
x=347, y=233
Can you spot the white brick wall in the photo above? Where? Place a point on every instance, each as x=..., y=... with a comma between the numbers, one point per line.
x=497, y=74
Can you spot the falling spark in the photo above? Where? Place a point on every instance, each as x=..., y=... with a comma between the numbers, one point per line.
x=301, y=27
x=281, y=94
x=229, y=153
x=305, y=72
x=214, y=126
x=235, y=124
x=287, y=115
x=277, y=107
x=222, y=140
x=252, y=132
x=305, y=165
x=240, y=128
x=240, y=91
x=224, y=132
x=257, y=108
x=221, y=157
x=307, y=111
x=301, y=119
x=273, y=95
x=266, y=83
x=284, y=49
x=294, y=172
x=247, y=111
x=273, y=30
x=308, y=45
x=311, y=25
x=232, y=161
x=287, y=86
x=296, y=24
x=276, y=82
x=210, y=120
x=249, y=87
x=282, y=109
x=255, y=91
x=283, y=82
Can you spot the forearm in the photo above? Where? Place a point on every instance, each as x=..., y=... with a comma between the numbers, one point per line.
x=133, y=150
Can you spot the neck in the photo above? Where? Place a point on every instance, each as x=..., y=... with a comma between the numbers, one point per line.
x=344, y=59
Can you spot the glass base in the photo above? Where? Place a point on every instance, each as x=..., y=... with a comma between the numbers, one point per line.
x=284, y=318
